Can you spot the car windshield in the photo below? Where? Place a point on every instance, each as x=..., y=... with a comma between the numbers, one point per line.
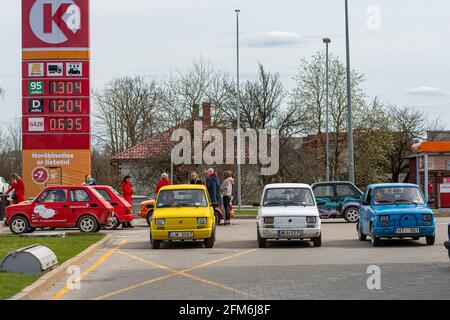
x=398, y=195
x=288, y=197
x=181, y=198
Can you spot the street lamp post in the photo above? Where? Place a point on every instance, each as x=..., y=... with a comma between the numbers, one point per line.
x=327, y=153
x=351, y=160
x=238, y=114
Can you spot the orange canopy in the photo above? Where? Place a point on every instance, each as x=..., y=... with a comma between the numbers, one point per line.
x=431, y=146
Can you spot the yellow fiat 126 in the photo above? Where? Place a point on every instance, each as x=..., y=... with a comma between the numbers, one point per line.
x=183, y=213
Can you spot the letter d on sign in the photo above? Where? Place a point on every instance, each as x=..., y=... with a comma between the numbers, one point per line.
x=374, y=280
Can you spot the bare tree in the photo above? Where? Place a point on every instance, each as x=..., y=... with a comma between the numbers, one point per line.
x=10, y=148
x=128, y=111
x=408, y=126
x=374, y=143
x=186, y=90
x=309, y=104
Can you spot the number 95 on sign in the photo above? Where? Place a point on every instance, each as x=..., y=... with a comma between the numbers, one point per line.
x=36, y=87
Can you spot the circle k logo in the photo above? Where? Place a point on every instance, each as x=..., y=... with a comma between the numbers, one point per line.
x=55, y=21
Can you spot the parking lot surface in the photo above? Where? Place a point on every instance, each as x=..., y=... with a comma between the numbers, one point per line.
x=236, y=269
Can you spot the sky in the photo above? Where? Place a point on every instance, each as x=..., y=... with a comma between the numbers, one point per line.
x=400, y=45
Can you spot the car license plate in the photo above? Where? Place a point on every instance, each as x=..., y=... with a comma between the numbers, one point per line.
x=408, y=230
x=290, y=233
x=181, y=235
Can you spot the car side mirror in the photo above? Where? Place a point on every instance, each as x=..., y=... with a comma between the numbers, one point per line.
x=256, y=204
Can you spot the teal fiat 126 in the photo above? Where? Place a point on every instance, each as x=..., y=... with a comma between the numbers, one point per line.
x=395, y=210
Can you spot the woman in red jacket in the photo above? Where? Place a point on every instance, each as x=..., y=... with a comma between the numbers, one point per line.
x=18, y=187
x=127, y=193
x=164, y=181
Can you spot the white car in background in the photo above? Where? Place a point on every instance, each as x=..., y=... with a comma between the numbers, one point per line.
x=288, y=211
x=4, y=186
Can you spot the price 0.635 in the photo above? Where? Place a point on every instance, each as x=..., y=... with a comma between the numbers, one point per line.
x=66, y=124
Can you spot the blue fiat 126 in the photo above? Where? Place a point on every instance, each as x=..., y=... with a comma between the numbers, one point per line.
x=395, y=210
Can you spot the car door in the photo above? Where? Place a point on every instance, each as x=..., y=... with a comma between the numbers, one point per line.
x=365, y=211
x=345, y=193
x=325, y=199
x=80, y=203
x=51, y=209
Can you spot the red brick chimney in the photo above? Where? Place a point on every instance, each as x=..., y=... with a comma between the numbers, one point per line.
x=206, y=106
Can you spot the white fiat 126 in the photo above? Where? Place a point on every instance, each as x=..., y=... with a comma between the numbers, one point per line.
x=288, y=211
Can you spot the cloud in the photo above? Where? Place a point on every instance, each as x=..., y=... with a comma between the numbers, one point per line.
x=427, y=91
x=273, y=39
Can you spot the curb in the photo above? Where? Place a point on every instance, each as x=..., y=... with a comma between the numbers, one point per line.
x=49, y=279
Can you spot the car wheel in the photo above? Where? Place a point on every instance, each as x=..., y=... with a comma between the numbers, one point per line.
x=88, y=224
x=361, y=236
x=19, y=225
x=375, y=240
x=209, y=243
x=262, y=243
x=317, y=241
x=155, y=244
x=351, y=215
x=430, y=240
x=113, y=224
x=149, y=217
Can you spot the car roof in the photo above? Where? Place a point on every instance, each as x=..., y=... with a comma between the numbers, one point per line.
x=287, y=185
x=184, y=187
x=387, y=185
x=332, y=182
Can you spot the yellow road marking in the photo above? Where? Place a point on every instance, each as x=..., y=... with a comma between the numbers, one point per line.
x=95, y=265
x=175, y=273
x=184, y=274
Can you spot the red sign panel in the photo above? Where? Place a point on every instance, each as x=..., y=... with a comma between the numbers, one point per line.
x=55, y=141
x=55, y=124
x=55, y=69
x=57, y=87
x=66, y=106
x=50, y=23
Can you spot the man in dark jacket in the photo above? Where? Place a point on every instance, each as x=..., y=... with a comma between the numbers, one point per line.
x=213, y=186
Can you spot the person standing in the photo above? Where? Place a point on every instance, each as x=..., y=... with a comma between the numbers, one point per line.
x=195, y=179
x=18, y=188
x=213, y=186
x=164, y=181
x=127, y=194
x=227, y=191
x=89, y=181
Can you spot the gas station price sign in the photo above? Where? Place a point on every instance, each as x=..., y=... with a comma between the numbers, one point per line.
x=57, y=106
x=56, y=124
x=58, y=88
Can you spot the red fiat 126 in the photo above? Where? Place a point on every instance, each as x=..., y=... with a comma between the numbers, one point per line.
x=122, y=209
x=61, y=207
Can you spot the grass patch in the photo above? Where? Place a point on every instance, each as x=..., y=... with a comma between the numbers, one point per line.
x=64, y=248
x=246, y=212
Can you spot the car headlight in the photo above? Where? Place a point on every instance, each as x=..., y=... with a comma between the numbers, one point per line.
x=311, y=219
x=202, y=220
x=385, y=218
x=160, y=222
x=427, y=217
x=269, y=220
